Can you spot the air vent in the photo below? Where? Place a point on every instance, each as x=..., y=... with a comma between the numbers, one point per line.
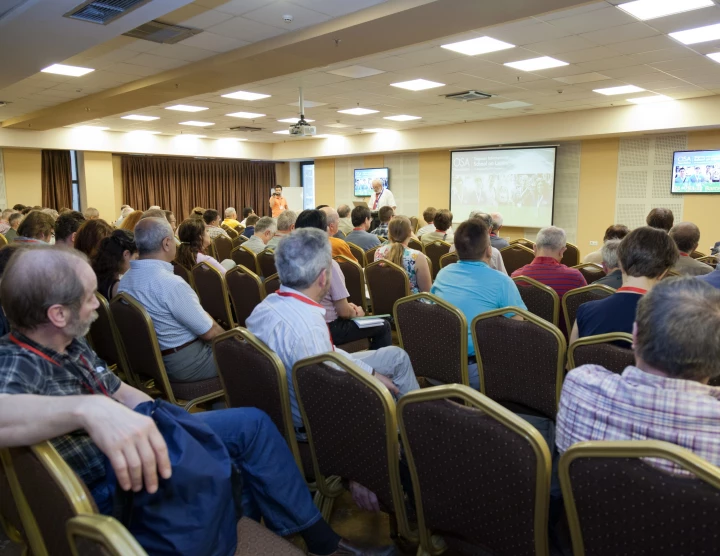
x=245, y=128
x=104, y=11
x=163, y=33
x=468, y=96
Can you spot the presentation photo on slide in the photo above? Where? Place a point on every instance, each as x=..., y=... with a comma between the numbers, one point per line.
x=518, y=183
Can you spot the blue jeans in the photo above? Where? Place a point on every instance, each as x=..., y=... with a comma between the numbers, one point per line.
x=273, y=487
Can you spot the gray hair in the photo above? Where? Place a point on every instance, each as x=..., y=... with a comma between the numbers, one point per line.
x=609, y=253
x=286, y=220
x=497, y=221
x=552, y=238
x=150, y=233
x=91, y=213
x=51, y=212
x=229, y=212
x=153, y=213
x=332, y=215
x=126, y=211
x=155, y=207
x=480, y=215
x=343, y=211
x=265, y=223
x=301, y=256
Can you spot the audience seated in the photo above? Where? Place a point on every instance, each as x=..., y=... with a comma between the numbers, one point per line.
x=36, y=227
x=250, y=222
x=91, y=213
x=247, y=211
x=397, y=251
x=15, y=219
x=443, y=228
x=686, y=236
x=613, y=273
x=472, y=286
x=112, y=260
x=616, y=231
x=43, y=399
x=212, y=223
x=429, y=216
x=89, y=236
x=645, y=256
x=194, y=240
x=182, y=326
x=385, y=214
x=496, y=260
x=338, y=246
x=170, y=216
x=665, y=396
x=361, y=224
x=345, y=224
x=285, y=225
x=231, y=218
x=66, y=228
x=495, y=240
x=550, y=245
x=131, y=220
x=660, y=218
x=262, y=232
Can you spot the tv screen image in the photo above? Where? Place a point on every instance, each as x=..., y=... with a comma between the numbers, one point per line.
x=696, y=172
x=364, y=178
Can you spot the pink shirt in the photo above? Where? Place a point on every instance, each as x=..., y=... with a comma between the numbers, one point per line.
x=212, y=262
x=336, y=292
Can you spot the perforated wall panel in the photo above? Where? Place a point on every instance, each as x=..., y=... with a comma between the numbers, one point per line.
x=405, y=181
x=3, y=190
x=567, y=186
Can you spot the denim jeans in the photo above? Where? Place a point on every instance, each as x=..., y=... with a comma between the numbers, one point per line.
x=273, y=487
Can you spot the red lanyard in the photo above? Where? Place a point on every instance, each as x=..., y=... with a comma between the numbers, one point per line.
x=82, y=357
x=684, y=254
x=377, y=199
x=308, y=302
x=632, y=290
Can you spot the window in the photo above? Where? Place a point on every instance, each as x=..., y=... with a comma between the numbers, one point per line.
x=75, y=181
x=307, y=180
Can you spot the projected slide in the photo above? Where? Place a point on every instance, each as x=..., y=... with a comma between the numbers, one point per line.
x=518, y=183
x=696, y=172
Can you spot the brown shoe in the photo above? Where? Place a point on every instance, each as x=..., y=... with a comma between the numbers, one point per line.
x=346, y=548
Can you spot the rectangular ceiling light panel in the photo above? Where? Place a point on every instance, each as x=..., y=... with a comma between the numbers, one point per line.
x=651, y=9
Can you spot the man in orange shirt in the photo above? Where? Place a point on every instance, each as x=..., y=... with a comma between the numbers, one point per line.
x=339, y=247
x=278, y=202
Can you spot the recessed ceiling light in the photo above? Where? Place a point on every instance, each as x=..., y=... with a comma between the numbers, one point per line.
x=140, y=118
x=699, y=34
x=282, y=132
x=293, y=120
x=623, y=90
x=510, y=104
x=197, y=124
x=91, y=127
x=481, y=45
x=356, y=72
x=417, y=84
x=244, y=95
x=650, y=99
x=248, y=115
x=358, y=111
x=144, y=132
x=650, y=9
x=534, y=64
x=72, y=71
x=376, y=130
x=186, y=108
x=402, y=118
x=190, y=136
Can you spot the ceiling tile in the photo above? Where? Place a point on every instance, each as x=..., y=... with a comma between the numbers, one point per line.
x=526, y=32
x=593, y=20
x=335, y=8
x=558, y=46
x=273, y=12
x=588, y=55
x=579, y=10
x=156, y=62
x=245, y=30
x=582, y=78
x=620, y=33
x=181, y=52
x=206, y=19
x=214, y=43
x=686, y=20
x=648, y=44
x=238, y=7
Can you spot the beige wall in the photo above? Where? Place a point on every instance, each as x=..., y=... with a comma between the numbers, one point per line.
x=97, y=184
x=282, y=173
x=703, y=210
x=117, y=182
x=325, y=182
x=23, y=176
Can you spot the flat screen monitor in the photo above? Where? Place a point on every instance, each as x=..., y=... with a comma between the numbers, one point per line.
x=364, y=178
x=696, y=172
x=518, y=183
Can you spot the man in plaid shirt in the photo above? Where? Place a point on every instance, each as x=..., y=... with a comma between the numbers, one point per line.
x=665, y=396
x=385, y=214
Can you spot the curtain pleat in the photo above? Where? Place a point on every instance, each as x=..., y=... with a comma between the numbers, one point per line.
x=180, y=184
x=56, y=179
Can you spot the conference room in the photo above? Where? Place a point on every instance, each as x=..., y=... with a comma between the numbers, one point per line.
x=456, y=394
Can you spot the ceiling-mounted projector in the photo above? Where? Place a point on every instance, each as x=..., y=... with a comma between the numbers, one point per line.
x=302, y=128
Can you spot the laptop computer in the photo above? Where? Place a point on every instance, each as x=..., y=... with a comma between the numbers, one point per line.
x=360, y=204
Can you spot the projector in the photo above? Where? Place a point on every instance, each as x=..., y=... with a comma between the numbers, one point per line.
x=302, y=129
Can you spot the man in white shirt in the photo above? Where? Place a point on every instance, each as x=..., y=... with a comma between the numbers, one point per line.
x=265, y=229
x=428, y=215
x=382, y=197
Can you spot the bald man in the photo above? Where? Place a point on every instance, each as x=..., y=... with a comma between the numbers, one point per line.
x=339, y=246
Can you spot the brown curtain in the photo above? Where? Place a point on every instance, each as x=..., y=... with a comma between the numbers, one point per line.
x=180, y=184
x=56, y=180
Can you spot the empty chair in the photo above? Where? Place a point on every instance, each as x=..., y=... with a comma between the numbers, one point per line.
x=271, y=284
x=184, y=273
x=358, y=253
x=266, y=262
x=520, y=363
x=101, y=535
x=448, y=258
x=213, y=294
x=434, y=251
x=417, y=245
x=223, y=247
x=612, y=351
x=574, y=298
x=591, y=272
x=516, y=256
x=618, y=503
x=387, y=282
x=480, y=474
x=571, y=257
x=524, y=242
x=354, y=281
x=541, y=300
x=435, y=335
x=246, y=258
x=246, y=292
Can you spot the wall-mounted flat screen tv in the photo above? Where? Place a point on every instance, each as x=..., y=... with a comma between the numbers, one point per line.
x=364, y=178
x=696, y=172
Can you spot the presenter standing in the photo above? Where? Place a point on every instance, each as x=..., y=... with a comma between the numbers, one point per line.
x=278, y=202
x=381, y=197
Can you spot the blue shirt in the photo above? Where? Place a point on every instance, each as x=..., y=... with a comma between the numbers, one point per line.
x=713, y=278
x=612, y=314
x=475, y=288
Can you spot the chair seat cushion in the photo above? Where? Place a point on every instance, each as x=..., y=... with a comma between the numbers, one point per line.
x=192, y=390
x=254, y=539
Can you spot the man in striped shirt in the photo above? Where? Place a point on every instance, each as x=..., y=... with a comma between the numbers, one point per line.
x=546, y=267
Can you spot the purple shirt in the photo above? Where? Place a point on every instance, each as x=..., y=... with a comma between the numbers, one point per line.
x=336, y=292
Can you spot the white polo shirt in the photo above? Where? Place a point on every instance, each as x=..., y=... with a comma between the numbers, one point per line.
x=387, y=199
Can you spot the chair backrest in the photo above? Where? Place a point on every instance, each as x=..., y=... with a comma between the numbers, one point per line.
x=710, y=260
x=370, y=254
x=340, y=235
x=602, y=350
x=416, y=244
x=184, y=273
x=101, y=535
x=414, y=223
x=697, y=255
x=591, y=272
x=213, y=294
x=242, y=256
x=271, y=284
x=223, y=247
x=246, y=291
x=434, y=334
x=230, y=231
x=541, y=300
x=239, y=240
x=355, y=437
x=516, y=256
x=520, y=363
x=9, y=514
x=266, y=262
x=524, y=242
x=481, y=475
x=48, y=494
x=448, y=259
x=434, y=251
x=3, y=240
x=359, y=253
x=571, y=257
x=574, y=298
x=354, y=281
x=662, y=513
x=387, y=282
x=139, y=342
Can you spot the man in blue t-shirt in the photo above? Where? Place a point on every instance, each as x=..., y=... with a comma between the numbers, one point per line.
x=645, y=257
x=472, y=286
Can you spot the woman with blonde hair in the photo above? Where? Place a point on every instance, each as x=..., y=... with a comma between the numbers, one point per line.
x=397, y=251
x=131, y=220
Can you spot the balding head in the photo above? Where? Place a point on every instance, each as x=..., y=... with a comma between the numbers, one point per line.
x=154, y=239
x=333, y=220
x=497, y=221
x=343, y=211
x=686, y=236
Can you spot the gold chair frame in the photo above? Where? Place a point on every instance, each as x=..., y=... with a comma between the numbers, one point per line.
x=363, y=284
x=709, y=260
x=571, y=246
x=256, y=270
x=429, y=544
x=255, y=277
x=223, y=287
x=430, y=262
x=266, y=251
x=594, y=340
x=589, y=265
x=370, y=253
x=576, y=291
x=697, y=255
x=391, y=265
x=3, y=240
x=546, y=289
x=105, y=530
x=417, y=245
x=189, y=273
x=523, y=242
x=363, y=263
x=265, y=282
x=446, y=257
